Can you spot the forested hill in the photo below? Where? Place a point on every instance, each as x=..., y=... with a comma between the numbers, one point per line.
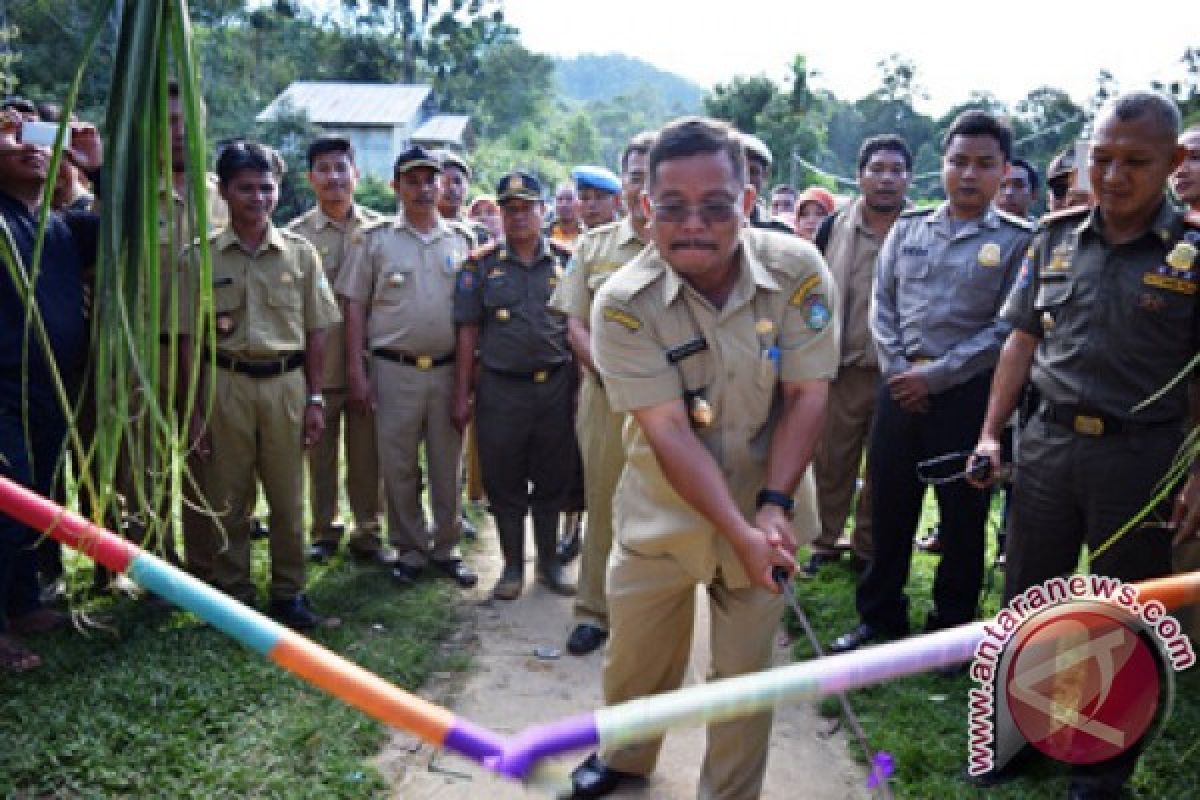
x=588, y=78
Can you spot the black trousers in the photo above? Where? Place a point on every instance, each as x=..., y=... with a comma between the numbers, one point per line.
x=899, y=441
x=526, y=438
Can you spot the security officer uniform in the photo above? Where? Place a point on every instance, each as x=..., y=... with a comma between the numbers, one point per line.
x=655, y=340
x=851, y=253
x=264, y=304
x=523, y=396
x=598, y=255
x=1115, y=324
x=405, y=279
x=939, y=285
x=333, y=238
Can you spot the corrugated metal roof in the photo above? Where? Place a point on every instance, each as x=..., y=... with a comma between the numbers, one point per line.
x=336, y=103
x=442, y=128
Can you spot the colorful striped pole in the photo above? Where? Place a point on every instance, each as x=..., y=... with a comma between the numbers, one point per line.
x=519, y=757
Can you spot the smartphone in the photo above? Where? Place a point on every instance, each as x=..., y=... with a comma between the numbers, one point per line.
x=39, y=133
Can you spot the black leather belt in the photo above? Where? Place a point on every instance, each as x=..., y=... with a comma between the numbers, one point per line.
x=255, y=368
x=1092, y=423
x=420, y=362
x=537, y=376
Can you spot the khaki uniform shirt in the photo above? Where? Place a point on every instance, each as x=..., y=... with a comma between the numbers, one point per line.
x=333, y=238
x=265, y=302
x=507, y=300
x=1115, y=324
x=777, y=325
x=851, y=255
x=939, y=286
x=405, y=279
x=175, y=236
x=598, y=254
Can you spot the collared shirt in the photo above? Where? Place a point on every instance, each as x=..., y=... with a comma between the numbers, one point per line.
x=69, y=246
x=1115, y=323
x=265, y=302
x=598, y=254
x=332, y=238
x=175, y=236
x=776, y=325
x=851, y=254
x=939, y=285
x=565, y=236
x=507, y=299
x=405, y=278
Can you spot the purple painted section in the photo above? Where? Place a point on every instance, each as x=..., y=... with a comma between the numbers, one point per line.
x=545, y=741
x=473, y=741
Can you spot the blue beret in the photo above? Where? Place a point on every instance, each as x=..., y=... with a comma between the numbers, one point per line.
x=596, y=178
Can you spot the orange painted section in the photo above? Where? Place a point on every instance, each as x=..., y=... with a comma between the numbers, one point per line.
x=1173, y=591
x=362, y=689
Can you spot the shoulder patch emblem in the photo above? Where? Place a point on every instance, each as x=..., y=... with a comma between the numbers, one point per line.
x=816, y=312
x=804, y=290
x=623, y=318
x=1182, y=256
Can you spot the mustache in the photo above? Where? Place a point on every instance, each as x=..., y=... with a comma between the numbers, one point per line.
x=692, y=244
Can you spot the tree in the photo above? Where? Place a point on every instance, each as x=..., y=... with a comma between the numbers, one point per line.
x=741, y=100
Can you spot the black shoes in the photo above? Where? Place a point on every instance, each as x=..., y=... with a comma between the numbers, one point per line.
x=856, y=637
x=815, y=562
x=550, y=575
x=593, y=778
x=457, y=571
x=297, y=614
x=585, y=639
x=320, y=552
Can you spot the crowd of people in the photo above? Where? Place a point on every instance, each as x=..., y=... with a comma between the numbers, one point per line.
x=713, y=371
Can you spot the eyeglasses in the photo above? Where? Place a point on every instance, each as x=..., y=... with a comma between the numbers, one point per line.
x=715, y=212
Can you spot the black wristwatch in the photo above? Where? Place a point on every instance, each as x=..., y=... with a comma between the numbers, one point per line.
x=775, y=498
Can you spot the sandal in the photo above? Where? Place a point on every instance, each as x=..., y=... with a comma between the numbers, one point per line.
x=15, y=658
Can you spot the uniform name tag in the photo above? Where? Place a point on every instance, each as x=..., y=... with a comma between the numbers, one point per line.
x=913, y=250
x=1171, y=284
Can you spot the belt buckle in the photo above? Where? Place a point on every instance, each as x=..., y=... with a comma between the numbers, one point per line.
x=424, y=362
x=541, y=375
x=1088, y=425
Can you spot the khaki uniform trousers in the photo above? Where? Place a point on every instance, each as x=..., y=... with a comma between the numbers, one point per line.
x=413, y=406
x=651, y=606
x=598, y=429
x=362, y=476
x=839, y=459
x=257, y=430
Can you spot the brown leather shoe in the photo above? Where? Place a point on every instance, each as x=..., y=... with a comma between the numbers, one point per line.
x=510, y=585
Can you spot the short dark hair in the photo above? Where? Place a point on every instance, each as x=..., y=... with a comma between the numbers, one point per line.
x=241, y=154
x=974, y=122
x=329, y=144
x=1032, y=172
x=884, y=141
x=1133, y=105
x=692, y=136
x=640, y=143
x=49, y=112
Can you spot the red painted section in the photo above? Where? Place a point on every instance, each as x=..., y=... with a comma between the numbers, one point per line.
x=66, y=526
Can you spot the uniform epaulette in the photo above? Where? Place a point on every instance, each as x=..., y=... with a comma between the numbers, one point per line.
x=1066, y=213
x=300, y=219
x=290, y=234
x=483, y=251
x=635, y=276
x=1014, y=220
x=918, y=212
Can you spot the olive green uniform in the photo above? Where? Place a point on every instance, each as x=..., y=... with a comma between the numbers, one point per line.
x=777, y=325
x=265, y=303
x=598, y=254
x=1114, y=325
x=333, y=238
x=405, y=280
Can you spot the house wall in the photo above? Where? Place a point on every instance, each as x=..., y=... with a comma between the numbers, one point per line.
x=374, y=149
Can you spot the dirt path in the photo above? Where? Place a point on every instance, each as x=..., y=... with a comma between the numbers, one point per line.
x=509, y=688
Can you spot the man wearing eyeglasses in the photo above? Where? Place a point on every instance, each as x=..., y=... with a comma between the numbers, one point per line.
x=850, y=241
x=720, y=341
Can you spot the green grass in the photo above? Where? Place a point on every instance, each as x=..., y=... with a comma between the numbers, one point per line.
x=922, y=720
x=156, y=704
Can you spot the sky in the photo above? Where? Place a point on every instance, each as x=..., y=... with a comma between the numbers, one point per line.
x=1007, y=47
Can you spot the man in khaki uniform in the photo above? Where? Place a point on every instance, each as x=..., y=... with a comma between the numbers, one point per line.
x=333, y=226
x=720, y=341
x=850, y=240
x=398, y=292
x=598, y=254
x=271, y=304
